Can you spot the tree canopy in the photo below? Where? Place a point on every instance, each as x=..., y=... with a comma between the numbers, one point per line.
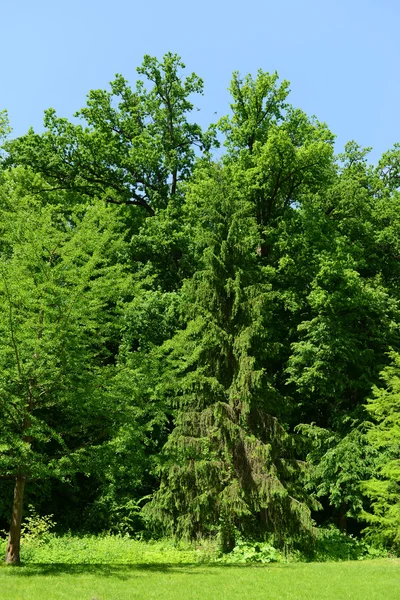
x=196, y=345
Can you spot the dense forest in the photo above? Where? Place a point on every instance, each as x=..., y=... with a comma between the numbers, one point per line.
x=191, y=345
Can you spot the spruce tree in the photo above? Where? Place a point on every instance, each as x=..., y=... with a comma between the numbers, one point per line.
x=383, y=490
x=228, y=462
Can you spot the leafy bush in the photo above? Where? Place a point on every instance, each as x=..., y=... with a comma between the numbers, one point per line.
x=36, y=528
x=248, y=552
x=332, y=544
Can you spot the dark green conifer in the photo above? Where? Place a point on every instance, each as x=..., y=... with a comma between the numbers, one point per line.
x=228, y=462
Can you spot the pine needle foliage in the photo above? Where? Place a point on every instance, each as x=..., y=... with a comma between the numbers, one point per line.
x=383, y=490
x=228, y=463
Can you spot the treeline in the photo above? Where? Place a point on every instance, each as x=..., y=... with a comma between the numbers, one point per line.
x=194, y=346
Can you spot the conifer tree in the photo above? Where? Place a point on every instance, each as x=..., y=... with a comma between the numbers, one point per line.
x=228, y=462
x=383, y=490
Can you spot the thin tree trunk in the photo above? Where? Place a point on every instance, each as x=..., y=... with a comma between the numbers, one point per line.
x=14, y=538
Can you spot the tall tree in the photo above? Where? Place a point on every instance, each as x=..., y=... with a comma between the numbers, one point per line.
x=228, y=461
x=56, y=286
x=281, y=154
x=135, y=145
x=383, y=490
x=349, y=320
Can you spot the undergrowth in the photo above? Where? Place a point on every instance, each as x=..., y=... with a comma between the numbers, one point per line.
x=41, y=545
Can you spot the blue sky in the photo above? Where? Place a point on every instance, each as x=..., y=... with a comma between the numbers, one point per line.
x=341, y=57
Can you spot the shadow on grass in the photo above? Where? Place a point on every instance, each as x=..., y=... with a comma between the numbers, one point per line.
x=120, y=571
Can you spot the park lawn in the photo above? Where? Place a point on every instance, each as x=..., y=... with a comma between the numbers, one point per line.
x=358, y=580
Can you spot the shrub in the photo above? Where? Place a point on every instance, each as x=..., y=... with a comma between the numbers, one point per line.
x=248, y=552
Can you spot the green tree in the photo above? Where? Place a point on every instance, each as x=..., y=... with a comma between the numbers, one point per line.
x=240, y=309
x=257, y=105
x=228, y=461
x=337, y=466
x=134, y=146
x=56, y=287
x=349, y=319
x=383, y=490
x=280, y=154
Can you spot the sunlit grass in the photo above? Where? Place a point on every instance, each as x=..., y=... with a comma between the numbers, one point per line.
x=369, y=580
x=115, y=567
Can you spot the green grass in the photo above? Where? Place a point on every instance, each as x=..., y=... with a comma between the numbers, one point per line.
x=361, y=580
x=118, y=568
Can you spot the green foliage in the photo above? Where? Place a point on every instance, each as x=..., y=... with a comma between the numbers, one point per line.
x=48, y=548
x=329, y=544
x=228, y=459
x=256, y=105
x=332, y=544
x=36, y=528
x=40, y=546
x=248, y=553
x=54, y=286
x=383, y=490
x=135, y=145
x=200, y=334
x=337, y=467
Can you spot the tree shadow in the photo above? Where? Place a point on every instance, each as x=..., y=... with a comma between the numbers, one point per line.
x=119, y=571
x=122, y=571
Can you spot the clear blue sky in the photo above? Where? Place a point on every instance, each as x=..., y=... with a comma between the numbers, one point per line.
x=341, y=57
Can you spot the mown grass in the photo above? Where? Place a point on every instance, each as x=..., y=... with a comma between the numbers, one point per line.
x=116, y=568
x=362, y=580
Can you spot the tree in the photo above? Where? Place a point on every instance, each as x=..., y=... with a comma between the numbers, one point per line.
x=257, y=105
x=281, y=154
x=228, y=461
x=349, y=317
x=228, y=362
x=383, y=490
x=337, y=466
x=56, y=286
x=136, y=145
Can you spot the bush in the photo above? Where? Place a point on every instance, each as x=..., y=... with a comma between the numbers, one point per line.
x=332, y=544
x=248, y=552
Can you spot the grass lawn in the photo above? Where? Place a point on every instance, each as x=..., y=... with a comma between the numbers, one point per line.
x=358, y=580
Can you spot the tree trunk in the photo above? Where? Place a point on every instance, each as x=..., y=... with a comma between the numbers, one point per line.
x=226, y=536
x=14, y=539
